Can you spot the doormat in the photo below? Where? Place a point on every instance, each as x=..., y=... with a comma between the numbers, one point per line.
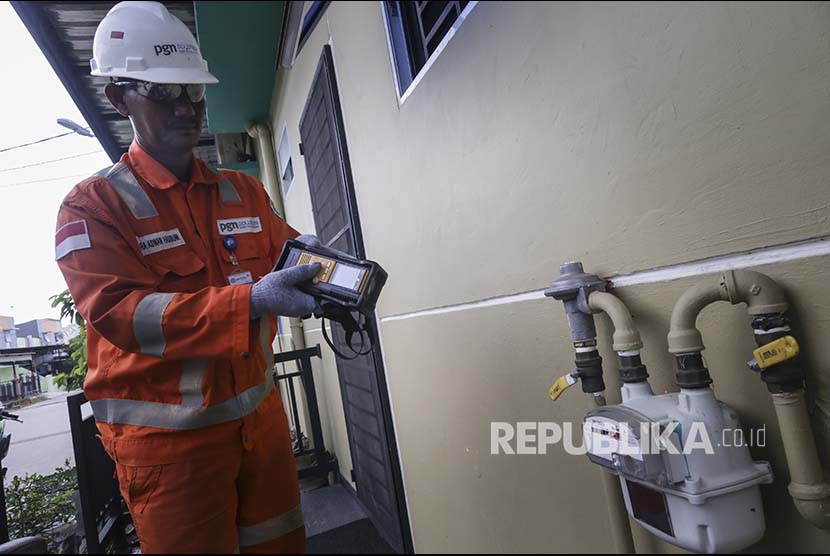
x=358, y=537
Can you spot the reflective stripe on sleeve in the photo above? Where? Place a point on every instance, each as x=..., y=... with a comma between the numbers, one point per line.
x=147, y=323
x=271, y=529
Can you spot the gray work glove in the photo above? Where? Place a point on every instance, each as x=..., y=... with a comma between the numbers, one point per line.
x=277, y=293
x=308, y=239
x=314, y=241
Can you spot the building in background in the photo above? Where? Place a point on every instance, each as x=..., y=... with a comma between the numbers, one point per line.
x=8, y=333
x=30, y=354
x=41, y=332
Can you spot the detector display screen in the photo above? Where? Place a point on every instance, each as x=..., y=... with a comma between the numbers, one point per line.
x=343, y=284
x=347, y=276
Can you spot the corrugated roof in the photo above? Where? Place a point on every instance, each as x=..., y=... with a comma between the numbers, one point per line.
x=64, y=32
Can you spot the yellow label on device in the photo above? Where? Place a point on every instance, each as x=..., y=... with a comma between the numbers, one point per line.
x=776, y=352
x=326, y=266
x=560, y=386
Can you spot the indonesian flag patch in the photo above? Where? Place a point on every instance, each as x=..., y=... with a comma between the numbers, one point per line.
x=71, y=237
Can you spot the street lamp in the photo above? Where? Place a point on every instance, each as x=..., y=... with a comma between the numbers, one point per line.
x=65, y=122
x=77, y=128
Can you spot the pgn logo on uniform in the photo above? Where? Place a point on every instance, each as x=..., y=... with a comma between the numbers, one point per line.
x=168, y=49
x=245, y=225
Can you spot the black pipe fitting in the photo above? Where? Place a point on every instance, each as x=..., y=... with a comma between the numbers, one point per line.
x=787, y=376
x=589, y=369
x=632, y=369
x=691, y=372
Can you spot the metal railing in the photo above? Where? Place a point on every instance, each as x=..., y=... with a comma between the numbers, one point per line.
x=322, y=462
x=100, y=519
x=19, y=388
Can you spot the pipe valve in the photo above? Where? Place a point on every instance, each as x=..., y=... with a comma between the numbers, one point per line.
x=773, y=353
x=562, y=384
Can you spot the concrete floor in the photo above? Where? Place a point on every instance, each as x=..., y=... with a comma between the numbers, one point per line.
x=328, y=508
x=336, y=523
x=42, y=441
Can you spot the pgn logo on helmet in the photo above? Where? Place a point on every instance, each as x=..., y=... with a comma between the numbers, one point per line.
x=245, y=225
x=168, y=49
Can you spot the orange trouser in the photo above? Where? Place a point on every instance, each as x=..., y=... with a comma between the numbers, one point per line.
x=246, y=500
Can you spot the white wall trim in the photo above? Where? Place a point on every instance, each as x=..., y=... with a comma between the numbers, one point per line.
x=490, y=302
x=747, y=259
x=818, y=247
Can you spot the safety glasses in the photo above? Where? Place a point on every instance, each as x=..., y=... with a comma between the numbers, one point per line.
x=166, y=92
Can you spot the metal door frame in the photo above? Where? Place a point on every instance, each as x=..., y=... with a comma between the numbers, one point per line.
x=327, y=58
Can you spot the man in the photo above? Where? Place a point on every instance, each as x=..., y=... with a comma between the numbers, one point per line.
x=169, y=261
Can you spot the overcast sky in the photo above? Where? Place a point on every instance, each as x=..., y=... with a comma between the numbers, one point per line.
x=31, y=99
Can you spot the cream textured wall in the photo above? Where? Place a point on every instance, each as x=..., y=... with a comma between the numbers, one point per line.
x=627, y=135
x=497, y=363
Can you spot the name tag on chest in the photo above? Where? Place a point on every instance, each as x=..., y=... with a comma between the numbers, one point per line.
x=245, y=225
x=241, y=278
x=159, y=241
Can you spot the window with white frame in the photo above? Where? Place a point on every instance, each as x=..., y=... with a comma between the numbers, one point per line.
x=418, y=31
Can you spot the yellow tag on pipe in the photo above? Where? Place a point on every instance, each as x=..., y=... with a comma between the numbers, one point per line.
x=775, y=352
x=562, y=384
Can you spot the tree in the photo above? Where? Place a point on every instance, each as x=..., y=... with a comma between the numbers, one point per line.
x=76, y=347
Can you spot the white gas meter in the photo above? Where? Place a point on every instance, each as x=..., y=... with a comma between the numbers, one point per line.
x=682, y=477
x=680, y=480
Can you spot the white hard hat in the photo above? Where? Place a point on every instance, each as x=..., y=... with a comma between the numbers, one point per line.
x=143, y=41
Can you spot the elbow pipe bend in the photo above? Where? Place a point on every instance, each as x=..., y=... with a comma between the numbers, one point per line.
x=760, y=292
x=626, y=336
x=684, y=337
x=256, y=129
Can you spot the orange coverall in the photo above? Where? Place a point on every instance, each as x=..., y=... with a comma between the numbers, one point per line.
x=179, y=375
